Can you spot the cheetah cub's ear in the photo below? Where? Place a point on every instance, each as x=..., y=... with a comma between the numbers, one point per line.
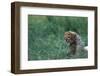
x=74, y=33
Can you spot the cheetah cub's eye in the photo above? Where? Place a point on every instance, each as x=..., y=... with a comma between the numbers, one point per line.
x=68, y=34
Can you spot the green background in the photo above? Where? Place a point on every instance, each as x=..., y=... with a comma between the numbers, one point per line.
x=46, y=36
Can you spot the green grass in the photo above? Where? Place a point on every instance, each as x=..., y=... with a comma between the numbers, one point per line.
x=46, y=36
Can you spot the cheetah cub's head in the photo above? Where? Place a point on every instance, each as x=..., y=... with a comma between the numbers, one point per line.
x=70, y=37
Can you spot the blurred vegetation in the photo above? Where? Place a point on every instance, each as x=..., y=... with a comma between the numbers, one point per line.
x=46, y=36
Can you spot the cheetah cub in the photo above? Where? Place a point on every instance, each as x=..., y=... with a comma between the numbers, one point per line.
x=74, y=42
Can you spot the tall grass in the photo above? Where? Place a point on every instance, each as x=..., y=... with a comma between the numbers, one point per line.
x=46, y=36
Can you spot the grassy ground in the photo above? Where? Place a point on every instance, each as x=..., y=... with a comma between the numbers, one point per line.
x=46, y=36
